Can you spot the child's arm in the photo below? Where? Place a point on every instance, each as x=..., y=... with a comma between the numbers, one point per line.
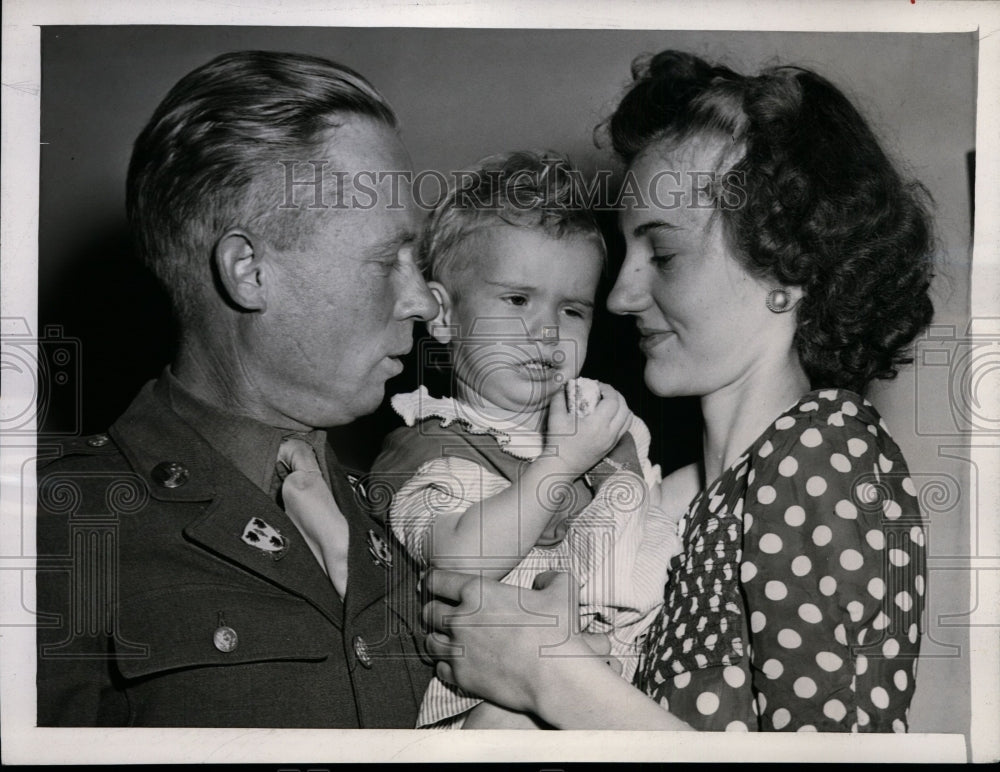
x=494, y=535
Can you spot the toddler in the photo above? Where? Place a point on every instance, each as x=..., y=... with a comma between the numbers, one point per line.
x=525, y=468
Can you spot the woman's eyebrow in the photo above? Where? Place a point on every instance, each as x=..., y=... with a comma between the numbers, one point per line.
x=644, y=228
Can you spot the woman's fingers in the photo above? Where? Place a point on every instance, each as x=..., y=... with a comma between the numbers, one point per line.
x=449, y=584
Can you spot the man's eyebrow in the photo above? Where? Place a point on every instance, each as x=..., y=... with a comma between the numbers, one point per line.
x=394, y=242
x=644, y=228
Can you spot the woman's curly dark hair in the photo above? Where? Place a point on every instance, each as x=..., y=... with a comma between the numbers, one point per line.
x=825, y=209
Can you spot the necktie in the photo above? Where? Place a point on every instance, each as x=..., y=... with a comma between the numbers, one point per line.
x=311, y=506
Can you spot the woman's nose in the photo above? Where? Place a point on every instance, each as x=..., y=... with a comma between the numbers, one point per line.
x=629, y=293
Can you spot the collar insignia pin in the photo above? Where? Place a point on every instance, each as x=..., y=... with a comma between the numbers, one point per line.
x=264, y=537
x=379, y=550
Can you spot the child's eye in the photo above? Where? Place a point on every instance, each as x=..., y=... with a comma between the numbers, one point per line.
x=515, y=300
x=575, y=313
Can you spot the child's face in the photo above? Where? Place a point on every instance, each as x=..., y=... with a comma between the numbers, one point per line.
x=523, y=307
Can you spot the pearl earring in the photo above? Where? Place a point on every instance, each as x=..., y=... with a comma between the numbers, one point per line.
x=778, y=301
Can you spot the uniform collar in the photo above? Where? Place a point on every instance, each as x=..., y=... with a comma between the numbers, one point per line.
x=249, y=445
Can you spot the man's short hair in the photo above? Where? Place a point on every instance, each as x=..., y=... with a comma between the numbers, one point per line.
x=209, y=158
x=523, y=188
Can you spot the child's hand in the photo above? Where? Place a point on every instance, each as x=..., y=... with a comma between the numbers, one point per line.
x=582, y=441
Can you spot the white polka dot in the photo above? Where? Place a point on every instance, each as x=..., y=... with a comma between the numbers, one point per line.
x=747, y=521
x=912, y=633
x=760, y=705
x=876, y=588
x=828, y=394
x=804, y=687
x=846, y=510
x=898, y=725
x=734, y=676
x=811, y=438
x=789, y=638
x=788, y=466
x=681, y=680
x=856, y=447
x=785, y=422
x=872, y=430
x=861, y=665
x=855, y=609
x=909, y=487
x=795, y=516
x=808, y=407
x=781, y=718
x=834, y=709
x=851, y=560
x=861, y=634
x=801, y=565
x=839, y=462
x=757, y=621
x=707, y=703
x=863, y=718
x=904, y=600
x=900, y=679
x=665, y=703
x=828, y=585
x=890, y=648
x=849, y=408
x=884, y=464
x=822, y=535
x=875, y=539
x=737, y=726
x=810, y=613
x=815, y=485
x=766, y=494
x=840, y=635
x=866, y=493
x=773, y=669
x=806, y=728
x=898, y=557
x=918, y=583
x=775, y=590
x=770, y=543
x=881, y=622
x=829, y=661
x=891, y=509
x=917, y=535
x=747, y=571
x=880, y=698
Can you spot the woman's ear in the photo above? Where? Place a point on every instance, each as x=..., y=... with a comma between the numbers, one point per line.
x=440, y=326
x=239, y=266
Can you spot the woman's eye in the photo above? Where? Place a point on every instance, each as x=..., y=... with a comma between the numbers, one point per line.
x=660, y=259
x=516, y=300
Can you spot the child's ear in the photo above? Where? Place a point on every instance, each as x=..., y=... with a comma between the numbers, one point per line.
x=240, y=269
x=440, y=326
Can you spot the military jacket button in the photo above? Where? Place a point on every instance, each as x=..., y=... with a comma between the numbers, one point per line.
x=99, y=440
x=170, y=474
x=361, y=651
x=225, y=639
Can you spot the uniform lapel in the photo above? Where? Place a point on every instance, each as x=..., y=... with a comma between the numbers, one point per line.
x=151, y=435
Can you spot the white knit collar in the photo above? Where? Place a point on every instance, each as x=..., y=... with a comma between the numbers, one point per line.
x=512, y=438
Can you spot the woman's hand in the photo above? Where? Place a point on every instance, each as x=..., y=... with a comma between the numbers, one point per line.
x=518, y=648
x=506, y=643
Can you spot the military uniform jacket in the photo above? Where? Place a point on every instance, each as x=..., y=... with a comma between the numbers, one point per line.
x=160, y=604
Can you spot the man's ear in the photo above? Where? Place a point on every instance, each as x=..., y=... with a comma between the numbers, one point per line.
x=239, y=266
x=440, y=326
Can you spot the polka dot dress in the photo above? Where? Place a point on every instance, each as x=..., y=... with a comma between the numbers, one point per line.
x=795, y=603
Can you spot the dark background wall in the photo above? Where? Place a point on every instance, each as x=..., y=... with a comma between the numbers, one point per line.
x=463, y=94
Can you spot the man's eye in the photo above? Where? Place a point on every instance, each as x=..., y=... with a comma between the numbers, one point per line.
x=515, y=300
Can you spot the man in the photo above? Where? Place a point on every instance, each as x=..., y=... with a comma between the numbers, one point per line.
x=194, y=568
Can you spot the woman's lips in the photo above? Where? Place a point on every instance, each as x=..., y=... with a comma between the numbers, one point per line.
x=650, y=338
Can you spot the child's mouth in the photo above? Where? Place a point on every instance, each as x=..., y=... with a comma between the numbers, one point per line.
x=539, y=368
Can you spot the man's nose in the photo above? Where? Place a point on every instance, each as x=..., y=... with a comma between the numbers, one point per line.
x=415, y=298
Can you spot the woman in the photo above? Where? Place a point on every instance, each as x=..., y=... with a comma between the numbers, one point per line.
x=777, y=265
